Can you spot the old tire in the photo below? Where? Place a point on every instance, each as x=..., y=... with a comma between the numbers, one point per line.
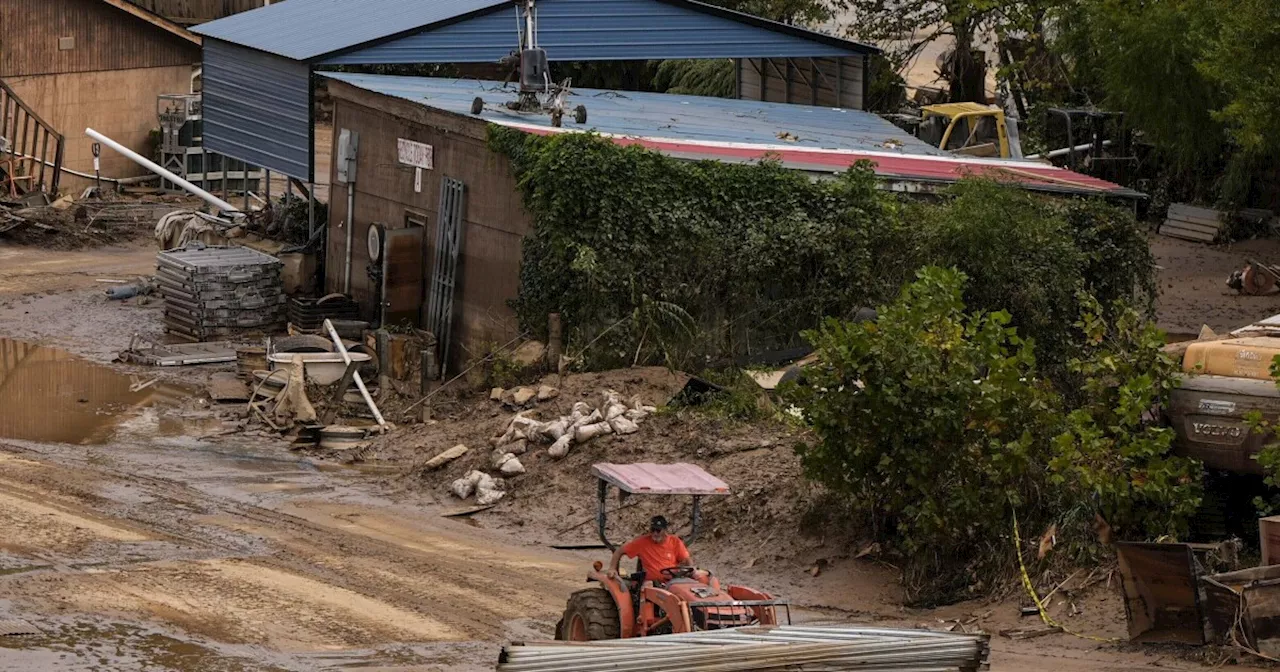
x=590, y=615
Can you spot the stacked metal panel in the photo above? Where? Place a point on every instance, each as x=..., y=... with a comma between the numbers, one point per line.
x=309, y=314
x=213, y=293
x=825, y=648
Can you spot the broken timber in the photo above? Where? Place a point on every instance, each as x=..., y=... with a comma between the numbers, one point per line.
x=1188, y=222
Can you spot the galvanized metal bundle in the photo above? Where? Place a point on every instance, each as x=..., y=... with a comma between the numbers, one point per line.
x=824, y=648
x=220, y=292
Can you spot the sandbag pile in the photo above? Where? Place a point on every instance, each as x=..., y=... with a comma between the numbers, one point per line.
x=584, y=423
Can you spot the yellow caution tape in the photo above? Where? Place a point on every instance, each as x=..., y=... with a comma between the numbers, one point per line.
x=1031, y=590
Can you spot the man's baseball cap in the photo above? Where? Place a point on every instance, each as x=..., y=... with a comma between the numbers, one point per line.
x=658, y=523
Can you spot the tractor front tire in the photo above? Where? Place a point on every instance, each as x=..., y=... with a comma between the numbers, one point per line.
x=590, y=615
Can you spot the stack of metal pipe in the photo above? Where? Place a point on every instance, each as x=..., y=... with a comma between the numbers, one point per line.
x=814, y=647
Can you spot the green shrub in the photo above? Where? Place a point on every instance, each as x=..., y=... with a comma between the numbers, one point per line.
x=1031, y=256
x=1113, y=454
x=936, y=423
x=930, y=418
x=651, y=259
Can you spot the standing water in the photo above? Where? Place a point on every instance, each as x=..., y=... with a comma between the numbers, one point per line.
x=48, y=394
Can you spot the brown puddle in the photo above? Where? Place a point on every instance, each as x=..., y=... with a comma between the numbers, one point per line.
x=47, y=394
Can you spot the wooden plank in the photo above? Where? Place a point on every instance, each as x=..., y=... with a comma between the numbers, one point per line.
x=1194, y=214
x=339, y=392
x=1173, y=227
x=1193, y=226
x=1181, y=226
x=1194, y=210
x=1216, y=223
x=1186, y=235
x=155, y=20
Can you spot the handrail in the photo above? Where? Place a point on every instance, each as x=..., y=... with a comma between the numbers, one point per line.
x=26, y=153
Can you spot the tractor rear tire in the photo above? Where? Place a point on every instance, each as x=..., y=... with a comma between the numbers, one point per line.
x=590, y=615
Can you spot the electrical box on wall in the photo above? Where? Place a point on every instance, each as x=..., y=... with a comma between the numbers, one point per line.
x=348, y=145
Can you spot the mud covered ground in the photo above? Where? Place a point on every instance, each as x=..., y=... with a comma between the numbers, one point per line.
x=1193, y=284
x=138, y=534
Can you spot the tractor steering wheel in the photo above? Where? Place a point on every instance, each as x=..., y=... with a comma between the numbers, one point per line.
x=678, y=572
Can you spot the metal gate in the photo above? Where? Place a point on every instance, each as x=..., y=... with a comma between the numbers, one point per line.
x=445, y=271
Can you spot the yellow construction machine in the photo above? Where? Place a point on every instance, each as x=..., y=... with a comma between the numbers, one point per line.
x=969, y=129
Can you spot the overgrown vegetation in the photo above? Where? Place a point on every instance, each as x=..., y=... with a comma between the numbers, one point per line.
x=690, y=264
x=935, y=423
x=1016, y=373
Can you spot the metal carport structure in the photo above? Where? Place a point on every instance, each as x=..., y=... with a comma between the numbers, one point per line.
x=258, y=65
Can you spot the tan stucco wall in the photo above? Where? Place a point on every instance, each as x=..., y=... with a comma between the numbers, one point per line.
x=118, y=103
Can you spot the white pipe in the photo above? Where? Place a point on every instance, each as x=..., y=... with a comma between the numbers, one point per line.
x=155, y=168
x=1067, y=150
x=364, y=392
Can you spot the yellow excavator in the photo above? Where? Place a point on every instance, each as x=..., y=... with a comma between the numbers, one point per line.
x=969, y=129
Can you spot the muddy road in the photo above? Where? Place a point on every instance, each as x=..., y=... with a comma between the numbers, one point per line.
x=199, y=556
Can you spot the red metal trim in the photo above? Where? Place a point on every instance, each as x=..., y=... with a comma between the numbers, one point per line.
x=932, y=168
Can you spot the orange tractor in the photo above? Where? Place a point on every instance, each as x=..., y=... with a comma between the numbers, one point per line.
x=686, y=599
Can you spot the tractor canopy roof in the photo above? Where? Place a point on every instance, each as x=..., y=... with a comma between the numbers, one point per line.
x=647, y=478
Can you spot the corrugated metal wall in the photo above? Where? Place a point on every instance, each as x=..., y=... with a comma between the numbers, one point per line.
x=257, y=108
x=829, y=82
x=580, y=30
x=190, y=12
x=102, y=37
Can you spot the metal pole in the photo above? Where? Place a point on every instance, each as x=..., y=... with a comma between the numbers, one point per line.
x=351, y=202
x=311, y=208
x=346, y=358
x=150, y=165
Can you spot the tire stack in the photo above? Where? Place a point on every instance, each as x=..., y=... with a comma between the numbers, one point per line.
x=219, y=293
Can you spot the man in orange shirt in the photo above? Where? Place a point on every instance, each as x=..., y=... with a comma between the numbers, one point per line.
x=657, y=550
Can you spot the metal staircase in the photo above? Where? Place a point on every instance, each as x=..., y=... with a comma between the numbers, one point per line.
x=30, y=149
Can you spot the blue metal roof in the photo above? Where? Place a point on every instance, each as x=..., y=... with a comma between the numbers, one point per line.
x=460, y=31
x=661, y=115
x=305, y=29
x=600, y=30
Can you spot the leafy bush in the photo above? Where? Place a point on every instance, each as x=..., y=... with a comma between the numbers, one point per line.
x=1031, y=256
x=935, y=422
x=653, y=259
x=930, y=418
x=1113, y=455
x=630, y=242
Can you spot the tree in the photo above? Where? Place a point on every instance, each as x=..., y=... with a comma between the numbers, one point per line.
x=1242, y=56
x=911, y=25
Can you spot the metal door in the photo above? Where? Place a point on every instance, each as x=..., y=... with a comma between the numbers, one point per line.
x=402, y=276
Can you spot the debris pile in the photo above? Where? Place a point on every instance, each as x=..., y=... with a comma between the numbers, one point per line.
x=523, y=433
x=213, y=293
x=93, y=219
x=584, y=423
